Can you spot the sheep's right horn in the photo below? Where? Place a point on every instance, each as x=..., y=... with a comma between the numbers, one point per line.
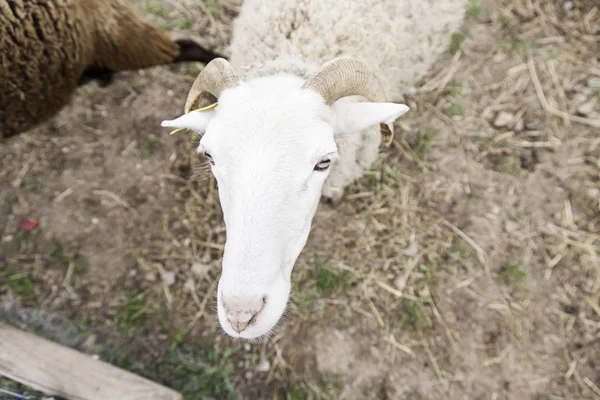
x=216, y=76
x=348, y=76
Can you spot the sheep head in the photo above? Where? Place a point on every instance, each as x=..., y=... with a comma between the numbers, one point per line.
x=270, y=142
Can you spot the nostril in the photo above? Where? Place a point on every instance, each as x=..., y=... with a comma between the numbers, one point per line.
x=240, y=321
x=238, y=326
x=242, y=311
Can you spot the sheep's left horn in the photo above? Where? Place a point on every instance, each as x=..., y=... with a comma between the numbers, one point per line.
x=348, y=76
x=216, y=76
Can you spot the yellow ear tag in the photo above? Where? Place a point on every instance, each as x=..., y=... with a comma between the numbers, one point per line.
x=209, y=107
x=177, y=130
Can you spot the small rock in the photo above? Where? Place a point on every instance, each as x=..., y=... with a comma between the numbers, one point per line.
x=249, y=375
x=400, y=283
x=263, y=366
x=503, y=119
x=534, y=125
x=247, y=346
x=411, y=250
x=189, y=285
x=168, y=278
x=7, y=238
x=519, y=125
x=511, y=226
x=586, y=107
x=95, y=357
x=89, y=342
x=587, y=91
x=572, y=309
x=150, y=277
x=594, y=193
x=594, y=83
x=95, y=221
x=199, y=269
x=579, y=98
x=568, y=5
x=499, y=57
x=450, y=317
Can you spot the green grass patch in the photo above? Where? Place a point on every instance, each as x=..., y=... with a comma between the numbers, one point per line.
x=456, y=40
x=146, y=147
x=454, y=89
x=297, y=393
x=209, y=378
x=326, y=280
x=185, y=23
x=20, y=285
x=196, y=369
x=155, y=10
x=474, y=9
x=213, y=7
x=413, y=314
x=60, y=258
x=508, y=164
x=332, y=384
x=421, y=143
x=132, y=314
x=30, y=184
x=460, y=248
x=519, y=46
x=456, y=108
x=22, y=390
x=166, y=25
x=513, y=275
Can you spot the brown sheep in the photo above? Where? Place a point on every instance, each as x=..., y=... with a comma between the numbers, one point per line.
x=50, y=47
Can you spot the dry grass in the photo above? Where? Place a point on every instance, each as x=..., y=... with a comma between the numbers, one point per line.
x=464, y=265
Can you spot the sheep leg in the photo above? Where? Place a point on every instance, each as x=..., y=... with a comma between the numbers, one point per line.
x=188, y=51
x=102, y=75
x=192, y=51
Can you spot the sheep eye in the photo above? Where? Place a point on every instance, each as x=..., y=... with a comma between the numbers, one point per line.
x=210, y=159
x=322, y=165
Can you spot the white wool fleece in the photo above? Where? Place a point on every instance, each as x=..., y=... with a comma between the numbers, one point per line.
x=400, y=39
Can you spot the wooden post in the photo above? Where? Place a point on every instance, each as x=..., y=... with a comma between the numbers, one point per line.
x=61, y=371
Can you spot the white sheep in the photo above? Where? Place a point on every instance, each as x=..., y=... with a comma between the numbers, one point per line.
x=307, y=85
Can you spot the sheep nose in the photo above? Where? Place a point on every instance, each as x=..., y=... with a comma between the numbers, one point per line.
x=237, y=322
x=241, y=311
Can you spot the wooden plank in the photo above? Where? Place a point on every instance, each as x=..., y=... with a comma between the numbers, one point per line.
x=61, y=371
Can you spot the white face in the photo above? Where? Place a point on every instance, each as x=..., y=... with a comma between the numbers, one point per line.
x=270, y=145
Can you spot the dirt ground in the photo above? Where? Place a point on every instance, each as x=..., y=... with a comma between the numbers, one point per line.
x=464, y=265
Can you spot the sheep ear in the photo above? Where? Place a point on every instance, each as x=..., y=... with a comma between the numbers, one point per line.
x=197, y=121
x=354, y=117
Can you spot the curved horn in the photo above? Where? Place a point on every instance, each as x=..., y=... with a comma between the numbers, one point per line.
x=348, y=76
x=216, y=76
